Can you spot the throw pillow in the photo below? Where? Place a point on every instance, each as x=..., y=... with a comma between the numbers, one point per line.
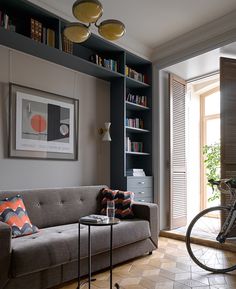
x=123, y=202
x=13, y=212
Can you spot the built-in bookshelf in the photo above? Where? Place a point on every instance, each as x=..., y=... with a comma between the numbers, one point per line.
x=35, y=31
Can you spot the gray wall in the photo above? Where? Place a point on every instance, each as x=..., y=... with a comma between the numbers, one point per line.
x=93, y=166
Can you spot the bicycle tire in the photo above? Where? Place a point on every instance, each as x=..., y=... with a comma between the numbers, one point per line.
x=221, y=260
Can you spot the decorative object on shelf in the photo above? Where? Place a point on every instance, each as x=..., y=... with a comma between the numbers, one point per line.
x=89, y=11
x=105, y=132
x=6, y=22
x=42, y=125
x=42, y=34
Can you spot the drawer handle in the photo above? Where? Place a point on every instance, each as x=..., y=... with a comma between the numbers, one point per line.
x=141, y=200
x=141, y=193
x=141, y=183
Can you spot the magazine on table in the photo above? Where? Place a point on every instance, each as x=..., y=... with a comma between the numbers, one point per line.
x=94, y=218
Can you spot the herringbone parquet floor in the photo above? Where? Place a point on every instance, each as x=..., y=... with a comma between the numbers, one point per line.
x=169, y=267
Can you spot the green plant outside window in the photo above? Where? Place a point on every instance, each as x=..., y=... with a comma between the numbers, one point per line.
x=212, y=165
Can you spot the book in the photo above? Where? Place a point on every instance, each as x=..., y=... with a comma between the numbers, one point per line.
x=135, y=172
x=94, y=218
x=50, y=37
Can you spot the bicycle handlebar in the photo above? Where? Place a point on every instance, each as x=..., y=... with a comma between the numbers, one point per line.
x=230, y=182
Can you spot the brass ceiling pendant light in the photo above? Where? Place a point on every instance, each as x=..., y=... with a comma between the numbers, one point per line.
x=89, y=11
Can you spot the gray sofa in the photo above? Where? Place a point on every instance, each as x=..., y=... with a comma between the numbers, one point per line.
x=49, y=257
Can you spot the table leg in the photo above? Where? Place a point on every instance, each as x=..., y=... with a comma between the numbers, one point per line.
x=111, y=265
x=111, y=241
x=78, y=255
x=89, y=257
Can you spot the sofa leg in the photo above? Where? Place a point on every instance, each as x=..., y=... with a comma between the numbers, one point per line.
x=150, y=253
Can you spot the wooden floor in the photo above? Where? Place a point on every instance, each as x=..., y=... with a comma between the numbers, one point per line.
x=169, y=267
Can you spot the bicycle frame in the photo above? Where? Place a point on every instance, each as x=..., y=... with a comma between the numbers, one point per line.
x=228, y=224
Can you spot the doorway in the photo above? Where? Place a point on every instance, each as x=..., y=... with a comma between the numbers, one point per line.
x=202, y=140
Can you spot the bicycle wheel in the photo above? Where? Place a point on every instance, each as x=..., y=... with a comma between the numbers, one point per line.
x=201, y=242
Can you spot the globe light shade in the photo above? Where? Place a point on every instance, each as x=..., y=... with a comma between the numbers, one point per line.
x=87, y=11
x=111, y=29
x=77, y=32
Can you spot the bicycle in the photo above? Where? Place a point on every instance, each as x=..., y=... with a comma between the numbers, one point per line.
x=209, y=239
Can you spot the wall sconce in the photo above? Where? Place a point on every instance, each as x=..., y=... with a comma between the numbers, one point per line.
x=105, y=132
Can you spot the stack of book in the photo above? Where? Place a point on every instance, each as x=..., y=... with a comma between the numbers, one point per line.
x=135, y=122
x=94, y=218
x=135, y=172
x=6, y=22
x=133, y=146
x=42, y=34
x=108, y=63
x=67, y=45
x=135, y=75
x=138, y=99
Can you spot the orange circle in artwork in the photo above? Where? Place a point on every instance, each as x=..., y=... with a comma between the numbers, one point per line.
x=38, y=123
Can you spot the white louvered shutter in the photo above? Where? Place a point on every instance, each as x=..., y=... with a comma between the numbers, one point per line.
x=178, y=182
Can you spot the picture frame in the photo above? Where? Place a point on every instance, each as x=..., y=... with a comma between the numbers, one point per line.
x=42, y=125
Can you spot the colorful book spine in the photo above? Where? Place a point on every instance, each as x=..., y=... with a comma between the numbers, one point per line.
x=107, y=63
x=135, y=74
x=137, y=99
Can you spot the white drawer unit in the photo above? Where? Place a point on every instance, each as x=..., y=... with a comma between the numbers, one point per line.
x=143, y=200
x=145, y=182
x=142, y=188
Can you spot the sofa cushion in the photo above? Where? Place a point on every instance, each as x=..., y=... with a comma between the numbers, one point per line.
x=13, y=212
x=59, y=245
x=123, y=202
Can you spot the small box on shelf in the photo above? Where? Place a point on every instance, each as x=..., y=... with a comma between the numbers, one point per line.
x=135, y=173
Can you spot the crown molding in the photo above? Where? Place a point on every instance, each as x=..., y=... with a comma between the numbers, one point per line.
x=215, y=34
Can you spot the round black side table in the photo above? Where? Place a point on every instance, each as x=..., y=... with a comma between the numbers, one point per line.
x=110, y=222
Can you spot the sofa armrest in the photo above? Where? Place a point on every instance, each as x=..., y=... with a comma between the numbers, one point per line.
x=5, y=253
x=149, y=212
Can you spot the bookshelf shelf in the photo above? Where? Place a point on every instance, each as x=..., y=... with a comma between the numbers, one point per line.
x=136, y=130
x=27, y=45
x=135, y=106
x=133, y=83
x=79, y=57
x=137, y=153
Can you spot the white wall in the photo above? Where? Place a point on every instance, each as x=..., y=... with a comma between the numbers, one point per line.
x=93, y=166
x=193, y=153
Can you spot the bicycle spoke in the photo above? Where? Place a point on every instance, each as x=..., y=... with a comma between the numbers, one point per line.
x=208, y=253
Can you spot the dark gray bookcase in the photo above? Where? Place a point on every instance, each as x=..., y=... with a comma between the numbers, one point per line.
x=20, y=13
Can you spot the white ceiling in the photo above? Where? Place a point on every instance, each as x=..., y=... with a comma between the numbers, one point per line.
x=203, y=64
x=151, y=23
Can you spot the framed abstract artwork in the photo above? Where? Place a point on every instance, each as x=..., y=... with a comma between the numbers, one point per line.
x=42, y=125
